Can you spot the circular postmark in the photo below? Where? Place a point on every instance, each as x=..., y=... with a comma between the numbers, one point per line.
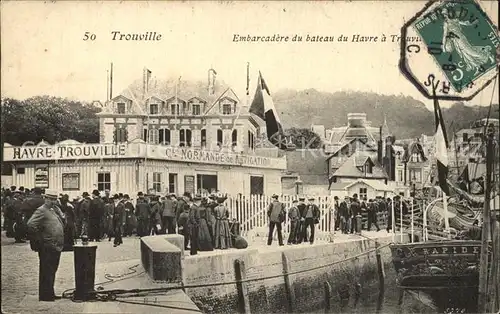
x=449, y=50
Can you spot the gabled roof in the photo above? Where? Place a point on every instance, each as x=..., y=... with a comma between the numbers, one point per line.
x=228, y=93
x=377, y=185
x=350, y=169
x=350, y=142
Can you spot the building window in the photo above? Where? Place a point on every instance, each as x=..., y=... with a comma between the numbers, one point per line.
x=174, y=109
x=234, y=138
x=164, y=136
x=120, y=108
x=203, y=138
x=465, y=137
x=21, y=170
x=226, y=109
x=256, y=185
x=363, y=193
x=415, y=175
x=368, y=167
x=400, y=176
x=120, y=135
x=104, y=181
x=251, y=140
x=415, y=157
x=145, y=135
x=172, y=183
x=219, y=138
x=206, y=183
x=157, y=181
x=196, y=109
x=153, y=109
x=153, y=136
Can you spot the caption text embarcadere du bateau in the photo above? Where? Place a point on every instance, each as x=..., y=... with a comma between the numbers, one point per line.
x=357, y=38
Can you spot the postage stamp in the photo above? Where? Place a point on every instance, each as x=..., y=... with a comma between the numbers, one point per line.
x=459, y=45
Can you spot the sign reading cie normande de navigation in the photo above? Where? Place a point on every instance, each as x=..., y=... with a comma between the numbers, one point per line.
x=134, y=150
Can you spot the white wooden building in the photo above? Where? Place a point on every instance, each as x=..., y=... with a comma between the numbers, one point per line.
x=170, y=138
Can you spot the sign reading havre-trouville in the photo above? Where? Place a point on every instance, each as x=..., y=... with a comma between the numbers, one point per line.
x=55, y=152
x=135, y=150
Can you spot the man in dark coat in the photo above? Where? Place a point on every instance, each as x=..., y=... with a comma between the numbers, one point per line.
x=372, y=214
x=294, y=217
x=344, y=214
x=84, y=213
x=169, y=214
x=19, y=214
x=355, y=211
x=193, y=224
x=118, y=220
x=312, y=215
x=276, y=214
x=107, y=200
x=142, y=210
x=9, y=213
x=155, y=216
x=96, y=212
x=69, y=228
x=129, y=215
x=46, y=232
x=301, y=206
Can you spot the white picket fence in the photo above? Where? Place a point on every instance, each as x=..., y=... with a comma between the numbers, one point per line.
x=251, y=213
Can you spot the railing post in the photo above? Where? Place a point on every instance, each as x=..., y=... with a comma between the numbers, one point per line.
x=401, y=219
x=393, y=221
x=412, y=222
x=328, y=297
x=290, y=292
x=241, y=286
x=380, y=266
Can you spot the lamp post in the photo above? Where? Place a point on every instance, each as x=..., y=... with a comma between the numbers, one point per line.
x=298, y=187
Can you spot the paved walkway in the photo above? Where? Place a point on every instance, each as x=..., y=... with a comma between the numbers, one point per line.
x=20, y=277
x=20, y=281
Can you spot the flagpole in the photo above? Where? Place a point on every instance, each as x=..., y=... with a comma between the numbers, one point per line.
x=111, y=82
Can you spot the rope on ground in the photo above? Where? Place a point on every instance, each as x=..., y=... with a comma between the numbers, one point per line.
x=110, y=295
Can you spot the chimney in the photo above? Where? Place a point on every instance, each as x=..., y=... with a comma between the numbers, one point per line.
x=379, y=147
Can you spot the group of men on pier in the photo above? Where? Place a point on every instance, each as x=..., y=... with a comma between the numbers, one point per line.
x=203, y=221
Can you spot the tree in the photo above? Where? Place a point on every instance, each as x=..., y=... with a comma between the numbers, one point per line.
x=52, y=119
x=304, y=138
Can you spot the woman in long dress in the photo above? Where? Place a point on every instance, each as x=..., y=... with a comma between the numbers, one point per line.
x=204, y=237
x=222, y=231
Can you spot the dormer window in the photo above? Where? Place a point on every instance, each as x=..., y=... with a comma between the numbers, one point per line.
x=174, y=109
x=415, y=157
x=153, y=109
x=226, y=109
x=368, y=167
x=196, y=109
x=120, y=108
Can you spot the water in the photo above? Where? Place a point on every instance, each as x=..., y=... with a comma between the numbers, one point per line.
x=371, y=299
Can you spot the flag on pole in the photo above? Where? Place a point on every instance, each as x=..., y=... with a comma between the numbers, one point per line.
x=263, y=106
x=441, y=143
x=248, y=78
x=211, y=81
x=146, y=78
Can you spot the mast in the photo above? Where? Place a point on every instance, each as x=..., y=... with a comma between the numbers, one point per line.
x=485, y=236
x=111, y=82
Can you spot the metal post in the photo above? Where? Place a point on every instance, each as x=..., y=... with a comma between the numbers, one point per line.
x=483, y=269
x=445, y=216
x=401, y=219
x=393, y=222
x=332, y=221
x=84, y=259
x=412, y=222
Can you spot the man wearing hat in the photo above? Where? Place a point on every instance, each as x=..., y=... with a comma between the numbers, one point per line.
x=142, y=210
x=46, y=230
x=19, y=226
x=312, y=215
x=155, y=216
x=194, y=224
x=96, y=212
x=276, y=214
x=118, y=220
x=169, y=214
x=84, y=213
x=129, y=216
x=301, y=206
x=182, y=206
x=293, y=215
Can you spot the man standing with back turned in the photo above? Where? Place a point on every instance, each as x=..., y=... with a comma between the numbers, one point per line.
x=46, y=233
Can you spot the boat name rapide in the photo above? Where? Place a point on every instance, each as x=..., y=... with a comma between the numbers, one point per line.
x=413, y=251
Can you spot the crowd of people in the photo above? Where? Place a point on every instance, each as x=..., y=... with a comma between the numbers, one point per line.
x=347, y=211
x=203, y=221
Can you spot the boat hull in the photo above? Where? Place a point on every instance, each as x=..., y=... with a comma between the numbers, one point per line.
x=435, y=265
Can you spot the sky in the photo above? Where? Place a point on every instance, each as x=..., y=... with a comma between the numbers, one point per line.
x=43, y=51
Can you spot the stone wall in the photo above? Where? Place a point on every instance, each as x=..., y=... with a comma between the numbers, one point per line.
x=343, y=265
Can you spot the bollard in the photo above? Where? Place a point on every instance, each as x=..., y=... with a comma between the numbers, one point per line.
x=84, y=256
x=328, y=297
x=358, y=223
x=380, y=267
